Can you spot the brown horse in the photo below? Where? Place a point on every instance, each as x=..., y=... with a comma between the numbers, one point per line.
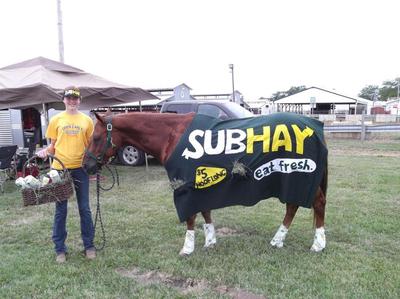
x=158, y=135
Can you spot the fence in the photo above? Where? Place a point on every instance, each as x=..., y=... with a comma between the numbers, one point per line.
x=360, y=125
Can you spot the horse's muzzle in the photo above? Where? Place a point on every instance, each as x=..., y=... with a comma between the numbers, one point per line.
x=91, y=166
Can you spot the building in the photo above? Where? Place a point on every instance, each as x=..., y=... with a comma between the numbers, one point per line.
x=315, y=100
x=261, y=106
x=180, y=92
x=392, y=106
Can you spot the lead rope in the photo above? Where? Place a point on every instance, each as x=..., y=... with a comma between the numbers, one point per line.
x=115, y=177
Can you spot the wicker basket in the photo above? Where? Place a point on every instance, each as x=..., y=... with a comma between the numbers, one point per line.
x=52, y=192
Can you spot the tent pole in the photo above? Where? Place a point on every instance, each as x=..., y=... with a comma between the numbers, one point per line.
x=46, y=118
x=145, y=154
x=45, y=112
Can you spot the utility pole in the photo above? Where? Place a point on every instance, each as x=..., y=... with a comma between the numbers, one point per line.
x=60, y=32
x=61, y=57
x=233, y=83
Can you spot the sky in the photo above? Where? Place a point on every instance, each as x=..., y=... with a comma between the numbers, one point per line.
x=341, y=45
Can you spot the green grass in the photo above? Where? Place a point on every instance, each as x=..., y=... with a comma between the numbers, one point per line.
x=361, y=259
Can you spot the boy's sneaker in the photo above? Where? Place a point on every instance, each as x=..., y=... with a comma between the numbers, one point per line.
x=91, y=254
x=61, y=258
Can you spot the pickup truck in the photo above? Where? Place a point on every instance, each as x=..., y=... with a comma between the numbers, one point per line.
x=130, y=155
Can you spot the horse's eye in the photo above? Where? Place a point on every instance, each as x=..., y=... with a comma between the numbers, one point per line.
x=96, y=139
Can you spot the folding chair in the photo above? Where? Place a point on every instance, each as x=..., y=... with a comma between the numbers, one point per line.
x=7, y=164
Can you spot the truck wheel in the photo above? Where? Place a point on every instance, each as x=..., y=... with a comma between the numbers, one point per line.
x=131, y=156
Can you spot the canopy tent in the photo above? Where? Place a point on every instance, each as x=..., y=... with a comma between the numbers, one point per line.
x=39, y=81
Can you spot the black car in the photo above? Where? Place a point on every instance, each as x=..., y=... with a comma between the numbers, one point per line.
x=130, y=155
x=219, y=109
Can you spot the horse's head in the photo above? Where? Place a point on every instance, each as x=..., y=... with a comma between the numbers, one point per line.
x=101, y=148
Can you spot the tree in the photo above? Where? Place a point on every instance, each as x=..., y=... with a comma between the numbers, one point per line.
x=291, y=91
x=386, y=91
x=389, y=89
x=369, y=92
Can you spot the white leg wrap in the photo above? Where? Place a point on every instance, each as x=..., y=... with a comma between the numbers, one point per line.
x=319, y=240
x=188, y=246
x=209, y=233
x=280, y=235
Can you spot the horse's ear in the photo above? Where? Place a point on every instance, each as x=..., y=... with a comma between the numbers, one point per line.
x=99, y=117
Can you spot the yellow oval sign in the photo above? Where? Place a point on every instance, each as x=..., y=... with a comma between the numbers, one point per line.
x=208, y=176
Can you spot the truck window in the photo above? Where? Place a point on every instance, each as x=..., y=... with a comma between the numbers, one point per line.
x=179, y=108
x=212, y=110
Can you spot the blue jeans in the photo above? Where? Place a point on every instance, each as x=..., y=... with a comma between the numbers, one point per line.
x=81, y=183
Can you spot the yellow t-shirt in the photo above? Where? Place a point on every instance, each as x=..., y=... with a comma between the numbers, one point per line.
x=73, y=132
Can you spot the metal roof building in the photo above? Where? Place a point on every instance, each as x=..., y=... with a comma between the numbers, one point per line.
x=316, y=100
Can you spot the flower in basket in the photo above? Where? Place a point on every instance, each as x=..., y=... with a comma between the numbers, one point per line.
x=32, y=182
x=20, y=182
x=45, y=180
x=32, y=169
x=54, y=176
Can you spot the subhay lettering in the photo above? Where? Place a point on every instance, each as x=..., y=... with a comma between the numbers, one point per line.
x=232, y=141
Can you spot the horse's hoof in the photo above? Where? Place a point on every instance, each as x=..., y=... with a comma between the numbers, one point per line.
x=316, y=248
x=210, y=246
x=276, y=244
x=184, y=253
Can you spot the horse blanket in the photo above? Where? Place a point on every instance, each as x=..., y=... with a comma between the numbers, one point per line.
x=242, y=161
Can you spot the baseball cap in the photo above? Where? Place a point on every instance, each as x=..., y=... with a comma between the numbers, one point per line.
x=72, y=91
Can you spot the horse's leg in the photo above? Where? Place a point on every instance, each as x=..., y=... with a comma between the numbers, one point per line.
x=209, y=230
x=319, y=214
x=280, y=235
x=188, y=246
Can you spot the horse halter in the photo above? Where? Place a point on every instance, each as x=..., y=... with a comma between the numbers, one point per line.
x=109, y=143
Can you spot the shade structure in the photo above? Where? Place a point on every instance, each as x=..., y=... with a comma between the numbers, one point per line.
x=40, y=80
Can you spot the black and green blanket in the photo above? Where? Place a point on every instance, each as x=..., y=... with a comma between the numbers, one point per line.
x=242, y=161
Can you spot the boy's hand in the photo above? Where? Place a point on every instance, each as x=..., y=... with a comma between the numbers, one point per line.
x=42, y=153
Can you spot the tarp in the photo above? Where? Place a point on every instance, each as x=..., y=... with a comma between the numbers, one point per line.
x=40, y=80
x=218, y=164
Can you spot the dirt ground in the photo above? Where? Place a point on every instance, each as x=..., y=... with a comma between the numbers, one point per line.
x=184, y=285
